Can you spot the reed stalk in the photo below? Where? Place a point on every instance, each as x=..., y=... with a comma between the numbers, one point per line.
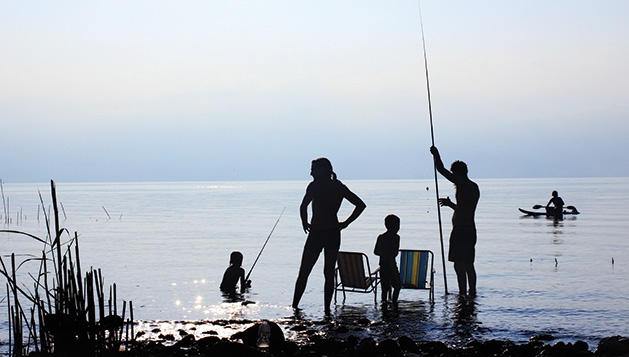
x=9, y=314
x=63, y=210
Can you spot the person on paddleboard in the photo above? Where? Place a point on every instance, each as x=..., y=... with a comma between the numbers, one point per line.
x=463, y=236
x=326, y=193
x=555, y=205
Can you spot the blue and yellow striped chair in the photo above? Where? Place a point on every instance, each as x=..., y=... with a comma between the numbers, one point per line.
x=417, y=271
x=353, y=274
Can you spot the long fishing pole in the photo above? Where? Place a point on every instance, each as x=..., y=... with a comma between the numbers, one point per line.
x=432, y=136
x=265, y=242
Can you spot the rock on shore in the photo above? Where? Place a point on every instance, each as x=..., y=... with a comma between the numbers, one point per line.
x=312, y=343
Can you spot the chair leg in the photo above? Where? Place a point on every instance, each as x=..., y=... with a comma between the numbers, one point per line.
x=432, y=286
x=375, y=294
x=432, y=292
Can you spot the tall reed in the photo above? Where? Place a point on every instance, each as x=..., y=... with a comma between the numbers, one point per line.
x=62, y=314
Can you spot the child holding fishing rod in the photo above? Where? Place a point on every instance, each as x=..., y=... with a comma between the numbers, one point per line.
x=326, y=193
x=233, y=274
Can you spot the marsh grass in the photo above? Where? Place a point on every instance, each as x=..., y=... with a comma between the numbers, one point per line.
x=56, y=310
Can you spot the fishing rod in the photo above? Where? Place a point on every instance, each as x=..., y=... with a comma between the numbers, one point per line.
x=432, y=136
x=267, y=240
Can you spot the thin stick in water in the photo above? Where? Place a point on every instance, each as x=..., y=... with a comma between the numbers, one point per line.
x=106, y=212
x=3, y=200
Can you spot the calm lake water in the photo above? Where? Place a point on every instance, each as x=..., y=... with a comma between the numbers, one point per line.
x=166, y=246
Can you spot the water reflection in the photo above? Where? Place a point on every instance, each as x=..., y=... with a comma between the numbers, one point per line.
x=457, y=324
x=414, y=319
x=461, y=313
x=232, y=297
x=556, y=229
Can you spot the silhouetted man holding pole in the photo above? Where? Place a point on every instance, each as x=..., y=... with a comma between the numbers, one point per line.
x=463, y=236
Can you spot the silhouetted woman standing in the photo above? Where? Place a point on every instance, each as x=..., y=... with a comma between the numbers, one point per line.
x=326, y=194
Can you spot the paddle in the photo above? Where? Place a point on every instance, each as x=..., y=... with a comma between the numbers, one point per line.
x=573, y=208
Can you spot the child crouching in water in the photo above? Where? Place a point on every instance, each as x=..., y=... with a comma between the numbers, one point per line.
x=234, y=273
x=387, y=247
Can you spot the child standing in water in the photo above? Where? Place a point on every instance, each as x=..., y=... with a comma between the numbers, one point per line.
x=234, y=273
x=387, y=246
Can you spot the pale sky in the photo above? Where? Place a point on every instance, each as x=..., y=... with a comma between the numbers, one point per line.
x=254, y=90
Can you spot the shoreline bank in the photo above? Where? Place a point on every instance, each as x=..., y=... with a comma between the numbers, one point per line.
x=295, y=337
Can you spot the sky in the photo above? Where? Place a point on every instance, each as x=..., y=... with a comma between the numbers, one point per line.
x=105, y=91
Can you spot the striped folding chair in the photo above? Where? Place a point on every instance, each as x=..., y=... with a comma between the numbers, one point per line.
x=417, y=271
x=353, y=274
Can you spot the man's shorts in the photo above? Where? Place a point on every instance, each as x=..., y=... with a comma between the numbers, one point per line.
x=462, y=244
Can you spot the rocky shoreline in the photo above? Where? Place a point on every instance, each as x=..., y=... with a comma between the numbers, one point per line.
x=297, y=339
